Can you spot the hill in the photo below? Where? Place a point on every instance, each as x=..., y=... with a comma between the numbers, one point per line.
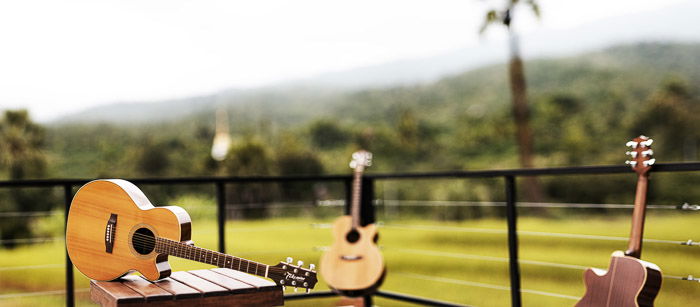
x=461, y=121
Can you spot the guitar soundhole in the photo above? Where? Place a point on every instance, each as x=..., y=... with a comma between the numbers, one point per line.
x=352, y=236
x=143, y=241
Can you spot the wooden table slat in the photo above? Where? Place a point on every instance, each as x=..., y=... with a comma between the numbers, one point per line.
x=144, y=287
x=177, y=289
x=206, y=287
x=233, y=285
x=117, y=292
x=201, y=288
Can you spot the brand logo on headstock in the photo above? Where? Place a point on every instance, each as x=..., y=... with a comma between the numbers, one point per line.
x=291, y=276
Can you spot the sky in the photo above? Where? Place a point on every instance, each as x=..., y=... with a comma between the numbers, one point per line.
x=59, y=57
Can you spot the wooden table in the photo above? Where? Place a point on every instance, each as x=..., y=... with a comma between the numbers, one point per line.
x=215, y=287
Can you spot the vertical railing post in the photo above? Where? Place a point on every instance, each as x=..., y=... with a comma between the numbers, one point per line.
x=512, y=217
x=221, y=214
x=367, y=216
x=367, y=212
x=70, y=287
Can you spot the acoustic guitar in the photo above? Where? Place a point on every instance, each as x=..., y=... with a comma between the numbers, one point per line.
x=114, y=229
x=354, y=266
x=628, y=281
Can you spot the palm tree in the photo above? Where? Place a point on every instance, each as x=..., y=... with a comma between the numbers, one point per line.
x=518, y=90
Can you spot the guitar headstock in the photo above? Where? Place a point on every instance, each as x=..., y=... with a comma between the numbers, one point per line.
x=286, y=274
x=360, y=160
x=640, y=154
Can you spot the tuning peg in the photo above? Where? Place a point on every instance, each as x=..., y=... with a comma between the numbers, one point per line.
x=289, y=260
x=647, y=152
x=300, y=263
x=631, y=163
x=632, y=144
x=312, y=266
x=632, y=154
x=646, y=143
x=649, y=162
x=308, y=290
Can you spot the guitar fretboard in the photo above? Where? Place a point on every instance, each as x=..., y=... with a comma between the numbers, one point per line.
x=182, y=250
x=356, y=193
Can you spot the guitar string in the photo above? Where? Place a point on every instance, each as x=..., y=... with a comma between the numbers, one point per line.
x=142, y=240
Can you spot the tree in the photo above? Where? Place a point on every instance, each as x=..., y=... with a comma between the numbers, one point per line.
x=21, y=157
x=327, y=134
x=518, y=89
x=671, y=118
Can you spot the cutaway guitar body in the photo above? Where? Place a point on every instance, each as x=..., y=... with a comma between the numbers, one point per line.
x=88, y=237
x=629, y=281
x=113, y=229
x=639, y=282
x=353, y=268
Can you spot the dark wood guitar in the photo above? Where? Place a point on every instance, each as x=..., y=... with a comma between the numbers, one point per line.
x=354, y=266
x=113, y=229
x=628, y=281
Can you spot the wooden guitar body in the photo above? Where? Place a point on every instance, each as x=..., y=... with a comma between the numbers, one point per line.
x=628, y=282
x=353, y=268
x=87, y=234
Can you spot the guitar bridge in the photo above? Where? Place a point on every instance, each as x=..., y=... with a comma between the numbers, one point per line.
x=109, y=233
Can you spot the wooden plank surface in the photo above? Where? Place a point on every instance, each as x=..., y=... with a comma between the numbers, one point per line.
x=206, y=287
x=177, y=289
x=233, y=285
x=203, y=288
x=149, y=291
x=109, y=293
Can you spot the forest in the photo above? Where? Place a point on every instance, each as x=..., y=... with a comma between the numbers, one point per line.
x=583, y=109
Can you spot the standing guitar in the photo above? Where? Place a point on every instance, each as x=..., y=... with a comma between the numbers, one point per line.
x=354, y=266
x=628, y=281
x=113, y=229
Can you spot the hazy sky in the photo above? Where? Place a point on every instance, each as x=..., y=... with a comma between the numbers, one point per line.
x=57, y=57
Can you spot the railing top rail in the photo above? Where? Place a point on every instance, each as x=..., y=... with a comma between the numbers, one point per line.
x=577, y=170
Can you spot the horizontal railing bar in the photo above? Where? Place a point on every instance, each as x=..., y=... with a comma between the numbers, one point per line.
x=592, y=170
x=315, y=294
x=41, y=293
x=457, y=203
x=503, y=259
x=533, y=233
x=31, y=267
x=415, y=299
x=32, y=240
x=482, y=285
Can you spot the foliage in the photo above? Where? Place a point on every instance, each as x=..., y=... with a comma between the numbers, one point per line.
x=583, y=109
x=21, y=157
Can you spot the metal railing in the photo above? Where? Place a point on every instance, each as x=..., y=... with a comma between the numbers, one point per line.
x=509, y=177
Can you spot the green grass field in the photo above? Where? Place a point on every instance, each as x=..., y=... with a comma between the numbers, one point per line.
x=463, y=262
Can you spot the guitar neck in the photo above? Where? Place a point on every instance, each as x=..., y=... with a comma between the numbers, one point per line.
x=355, y=202
x=634, y=248
x=182, y=250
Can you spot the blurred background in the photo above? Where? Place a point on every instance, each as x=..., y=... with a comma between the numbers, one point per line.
x=134, y=89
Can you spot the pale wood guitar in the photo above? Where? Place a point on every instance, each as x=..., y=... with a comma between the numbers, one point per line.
x=114, y=229
x=353, y=266
x=629, y=281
